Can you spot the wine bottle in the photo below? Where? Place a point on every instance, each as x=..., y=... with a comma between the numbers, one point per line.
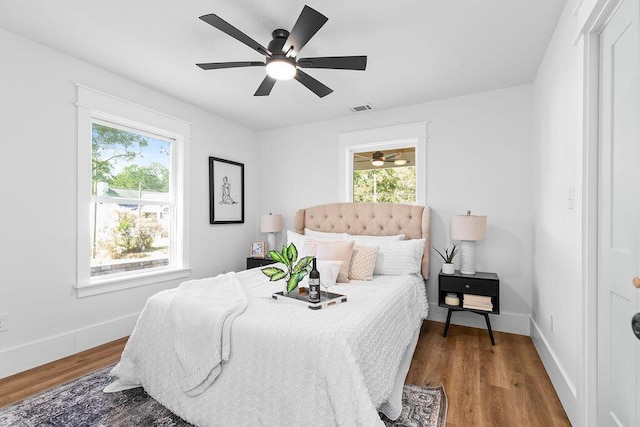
x=314, y=283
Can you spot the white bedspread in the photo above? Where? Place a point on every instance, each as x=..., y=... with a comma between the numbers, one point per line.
x=289, y=365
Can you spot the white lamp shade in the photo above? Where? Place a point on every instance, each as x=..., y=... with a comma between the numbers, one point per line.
x=469, y=227
x=270, y=223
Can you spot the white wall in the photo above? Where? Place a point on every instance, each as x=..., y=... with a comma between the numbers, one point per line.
x=478, y=158
x=38, y=216
x=558, y=289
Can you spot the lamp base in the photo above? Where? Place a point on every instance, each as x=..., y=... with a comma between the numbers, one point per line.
x=271, y=242
x=467, y=257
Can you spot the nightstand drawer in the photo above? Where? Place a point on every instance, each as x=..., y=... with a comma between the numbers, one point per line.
x=469, y=285
x=259, y=262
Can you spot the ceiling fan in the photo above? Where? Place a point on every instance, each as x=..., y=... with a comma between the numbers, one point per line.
x=281, y=59
x=378, y=158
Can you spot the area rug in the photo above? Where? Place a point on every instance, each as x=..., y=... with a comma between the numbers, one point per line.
x=81, y=403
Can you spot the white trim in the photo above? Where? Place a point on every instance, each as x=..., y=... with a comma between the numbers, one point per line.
x=116, y=282
x=391, y=137
x=587, y=402
x=95, y=105
x=565, y=389
x=513, y=323
x=37, y=353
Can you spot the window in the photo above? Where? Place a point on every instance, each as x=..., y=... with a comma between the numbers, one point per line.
x=131, y=193
x=131, y=175
x=384, y=165
x=385, y=176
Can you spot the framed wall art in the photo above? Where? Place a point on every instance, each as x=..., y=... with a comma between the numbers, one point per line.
x=226, y=191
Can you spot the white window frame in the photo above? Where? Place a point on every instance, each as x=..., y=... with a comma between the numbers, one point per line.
x=413, y=135
x=97, y=106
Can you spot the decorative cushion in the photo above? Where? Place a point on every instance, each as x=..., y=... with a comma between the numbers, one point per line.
x=363, y=262
x=305, y=245
x=338, y=251
x=321, y=235
x=328, y=270
x=399, y=258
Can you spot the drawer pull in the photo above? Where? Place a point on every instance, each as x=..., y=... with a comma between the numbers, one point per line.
x=467, y=286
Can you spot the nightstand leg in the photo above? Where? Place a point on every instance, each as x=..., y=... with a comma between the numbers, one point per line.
x=446, y=326
x=486, y=317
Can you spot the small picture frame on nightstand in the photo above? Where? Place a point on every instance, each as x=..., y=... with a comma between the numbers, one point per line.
x=257, y=250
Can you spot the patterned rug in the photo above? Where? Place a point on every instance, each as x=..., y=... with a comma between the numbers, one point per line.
x=81, y=403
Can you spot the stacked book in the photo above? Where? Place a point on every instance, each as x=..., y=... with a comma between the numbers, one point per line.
x=477, y=302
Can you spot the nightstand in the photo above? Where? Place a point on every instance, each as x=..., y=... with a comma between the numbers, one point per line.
x=258, y=262
x=484, y=288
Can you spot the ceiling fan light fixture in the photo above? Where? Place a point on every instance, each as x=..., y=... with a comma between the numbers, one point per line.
x=400, y=162
x=377, y=162
x=281, y=69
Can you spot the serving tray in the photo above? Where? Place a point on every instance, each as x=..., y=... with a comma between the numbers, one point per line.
x=301, y=297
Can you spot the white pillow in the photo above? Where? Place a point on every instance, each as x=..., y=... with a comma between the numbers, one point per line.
x=296, y=239
x=373, y=240
x=401, y=257
x=328, y=270
x=322, y=235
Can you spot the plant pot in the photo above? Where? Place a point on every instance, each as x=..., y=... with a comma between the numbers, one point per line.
x=448, y=268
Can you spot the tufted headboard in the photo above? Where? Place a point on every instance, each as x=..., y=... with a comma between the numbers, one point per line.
x=372, y=219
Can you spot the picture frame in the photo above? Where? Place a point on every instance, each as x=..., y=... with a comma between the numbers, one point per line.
x=257, y=250
x=226, y=191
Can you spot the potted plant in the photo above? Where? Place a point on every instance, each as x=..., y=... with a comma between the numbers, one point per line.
x=294, y=272
x=447, y=258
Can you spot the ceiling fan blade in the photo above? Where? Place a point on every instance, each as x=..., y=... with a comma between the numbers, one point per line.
x=219, y=65
x=265, y=87
x=335, y=62
x=312, y=84
x=225, y=27
x=308, y=23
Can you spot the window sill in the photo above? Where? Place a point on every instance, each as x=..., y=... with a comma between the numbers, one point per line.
x=112, y=284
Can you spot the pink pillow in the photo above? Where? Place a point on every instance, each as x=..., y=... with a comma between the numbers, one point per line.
x=363, y=262
x=337, y=251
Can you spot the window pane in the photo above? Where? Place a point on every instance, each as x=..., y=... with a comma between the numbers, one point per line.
x=134, y=167
x=385, y=176
x=129, y=165
x=128, y=237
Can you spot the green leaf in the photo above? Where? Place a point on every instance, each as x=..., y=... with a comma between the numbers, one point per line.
x=293, y=253
x=285, y=256
x=292, y=283
x=275, y=255
x=303, y=264
x=274, y=273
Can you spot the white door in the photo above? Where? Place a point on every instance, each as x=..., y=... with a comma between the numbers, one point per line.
x=619, y=174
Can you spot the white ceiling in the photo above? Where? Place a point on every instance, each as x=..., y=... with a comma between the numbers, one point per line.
x=418, y=50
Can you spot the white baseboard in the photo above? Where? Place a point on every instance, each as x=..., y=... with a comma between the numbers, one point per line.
x=565, y=389
x=515, y=323
x=33, y=354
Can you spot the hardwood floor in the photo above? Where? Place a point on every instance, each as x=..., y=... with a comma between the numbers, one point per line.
x=36, y=380
x=501, y=385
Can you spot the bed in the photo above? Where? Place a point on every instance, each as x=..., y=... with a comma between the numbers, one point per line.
x=288, y=365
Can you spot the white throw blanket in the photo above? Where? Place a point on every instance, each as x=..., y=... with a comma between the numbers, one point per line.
x=202, y=312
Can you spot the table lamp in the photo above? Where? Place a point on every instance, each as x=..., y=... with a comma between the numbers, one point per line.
x=271, y=224
x=468, y=229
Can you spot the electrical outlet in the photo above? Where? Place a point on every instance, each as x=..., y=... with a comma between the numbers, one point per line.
x=551, y=322
x=4, y=322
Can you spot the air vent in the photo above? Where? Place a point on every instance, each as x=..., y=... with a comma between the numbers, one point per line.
x=359, y=108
